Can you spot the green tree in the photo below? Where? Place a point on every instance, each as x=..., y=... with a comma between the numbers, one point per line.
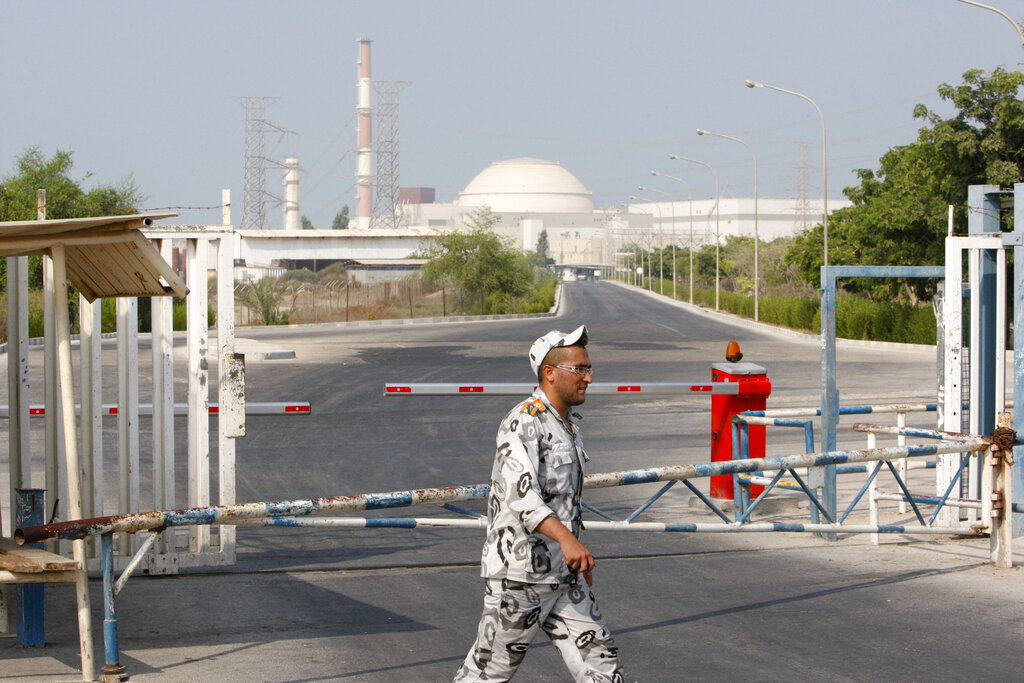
x=543, y=246
x=899, y=212
x=306, y=223
x=478, y=261
x=65, y=197
x=341, y=219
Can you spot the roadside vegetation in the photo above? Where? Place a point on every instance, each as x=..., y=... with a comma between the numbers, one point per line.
x=899, y=216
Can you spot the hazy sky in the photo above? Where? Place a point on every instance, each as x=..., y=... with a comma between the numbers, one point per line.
x=607, y=89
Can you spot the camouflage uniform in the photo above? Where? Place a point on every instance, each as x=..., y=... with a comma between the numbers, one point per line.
x=537, y=473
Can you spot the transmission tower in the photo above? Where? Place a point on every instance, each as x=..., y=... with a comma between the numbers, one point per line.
x=803, y=204
x=255, y=196
x=386, y=145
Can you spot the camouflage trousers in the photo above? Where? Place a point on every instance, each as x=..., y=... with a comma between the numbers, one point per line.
x=513, y=614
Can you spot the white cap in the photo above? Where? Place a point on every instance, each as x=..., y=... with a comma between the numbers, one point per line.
x=554, y=339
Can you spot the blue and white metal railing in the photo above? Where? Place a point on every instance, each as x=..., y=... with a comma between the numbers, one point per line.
x=248, y=512
x=298, y=513
x=787, y=417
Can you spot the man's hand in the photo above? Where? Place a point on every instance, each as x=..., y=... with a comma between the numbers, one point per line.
x=576, y=555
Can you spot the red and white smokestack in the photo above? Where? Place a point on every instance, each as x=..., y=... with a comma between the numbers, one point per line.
x=291, y=193
x=364, y=154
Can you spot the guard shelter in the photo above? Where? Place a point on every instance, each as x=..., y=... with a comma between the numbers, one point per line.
x=104, y=256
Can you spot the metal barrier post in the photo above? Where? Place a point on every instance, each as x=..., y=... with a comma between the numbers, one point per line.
x=823, y=479
x=873, y=493
x=31, y=615
x=723, y=407
x=112, y=669
x=901, y=465
x=999, y=458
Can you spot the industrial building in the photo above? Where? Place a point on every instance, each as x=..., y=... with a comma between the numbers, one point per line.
x=525, y=195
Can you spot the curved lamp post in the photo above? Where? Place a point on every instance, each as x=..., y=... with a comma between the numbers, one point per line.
x=824, y=156
x=650, y=245
x=627, y=207
x=1001, y=13
x=717, y=233
x=756, y=239
x=661, y=241
x=672, y=177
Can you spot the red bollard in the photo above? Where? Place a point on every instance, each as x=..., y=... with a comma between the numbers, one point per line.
x=753, y=394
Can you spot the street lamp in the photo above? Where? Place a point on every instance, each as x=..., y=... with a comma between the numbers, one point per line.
x=671, y=177
x=756, y=239
x=1001, y=13
x=627, y=207
x=824, y=156
x=661, y=242
x=650, y=242
x=717, y=233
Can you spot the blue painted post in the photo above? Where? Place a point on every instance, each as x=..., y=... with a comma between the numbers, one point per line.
x=829, y=395
x=983, y=219
x=829, y=391
x=112, y=669
x=31, y=613
x=1017, y=239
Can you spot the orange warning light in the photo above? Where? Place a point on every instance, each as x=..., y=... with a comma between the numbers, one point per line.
x=732, y=352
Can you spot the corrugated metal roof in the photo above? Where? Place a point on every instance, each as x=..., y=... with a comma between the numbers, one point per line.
x=106, y=256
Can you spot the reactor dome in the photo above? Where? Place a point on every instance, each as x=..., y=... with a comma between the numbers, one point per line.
x=527, y=186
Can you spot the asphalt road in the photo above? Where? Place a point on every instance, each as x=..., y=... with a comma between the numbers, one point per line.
x=314, y=605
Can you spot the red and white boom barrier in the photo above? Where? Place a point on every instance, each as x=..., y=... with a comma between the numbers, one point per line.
x=251, y=408
x=741, y=388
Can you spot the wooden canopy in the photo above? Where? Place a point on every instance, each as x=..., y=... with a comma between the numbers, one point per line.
x=107, y=256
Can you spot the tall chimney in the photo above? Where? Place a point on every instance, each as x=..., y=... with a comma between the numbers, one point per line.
x=291, y=193
x=364, y=158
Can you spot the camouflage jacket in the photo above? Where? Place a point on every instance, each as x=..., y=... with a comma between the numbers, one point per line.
x=537, y=473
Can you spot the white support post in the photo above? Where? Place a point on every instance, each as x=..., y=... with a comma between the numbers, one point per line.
x=225, y=210
x=198, y=389
x=989, y=466
x=51, y=448
x=19, y=443
x=1001, y=519
x=58, y=280
x=901, y=464
x=90, y=349
x=970, y=472
x=230, y=387
x=872, y=492
x=127, y=414
x=162, y=560
x=952, y=365
x=1001, y=331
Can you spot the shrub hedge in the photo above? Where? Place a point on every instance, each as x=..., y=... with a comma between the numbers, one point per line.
x=856, y=317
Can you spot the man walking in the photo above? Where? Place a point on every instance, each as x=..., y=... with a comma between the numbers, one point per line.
x=537, y=572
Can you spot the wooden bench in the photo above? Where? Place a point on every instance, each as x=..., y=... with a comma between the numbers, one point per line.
x=19, y=564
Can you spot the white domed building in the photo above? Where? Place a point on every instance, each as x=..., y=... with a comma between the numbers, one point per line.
x=527, y=186
x=527, y=196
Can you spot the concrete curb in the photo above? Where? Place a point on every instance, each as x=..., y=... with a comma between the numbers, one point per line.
x=780, y=331
x=38, y=341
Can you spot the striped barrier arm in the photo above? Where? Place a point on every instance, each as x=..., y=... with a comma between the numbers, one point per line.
x=595, y=388
x=251, y=408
